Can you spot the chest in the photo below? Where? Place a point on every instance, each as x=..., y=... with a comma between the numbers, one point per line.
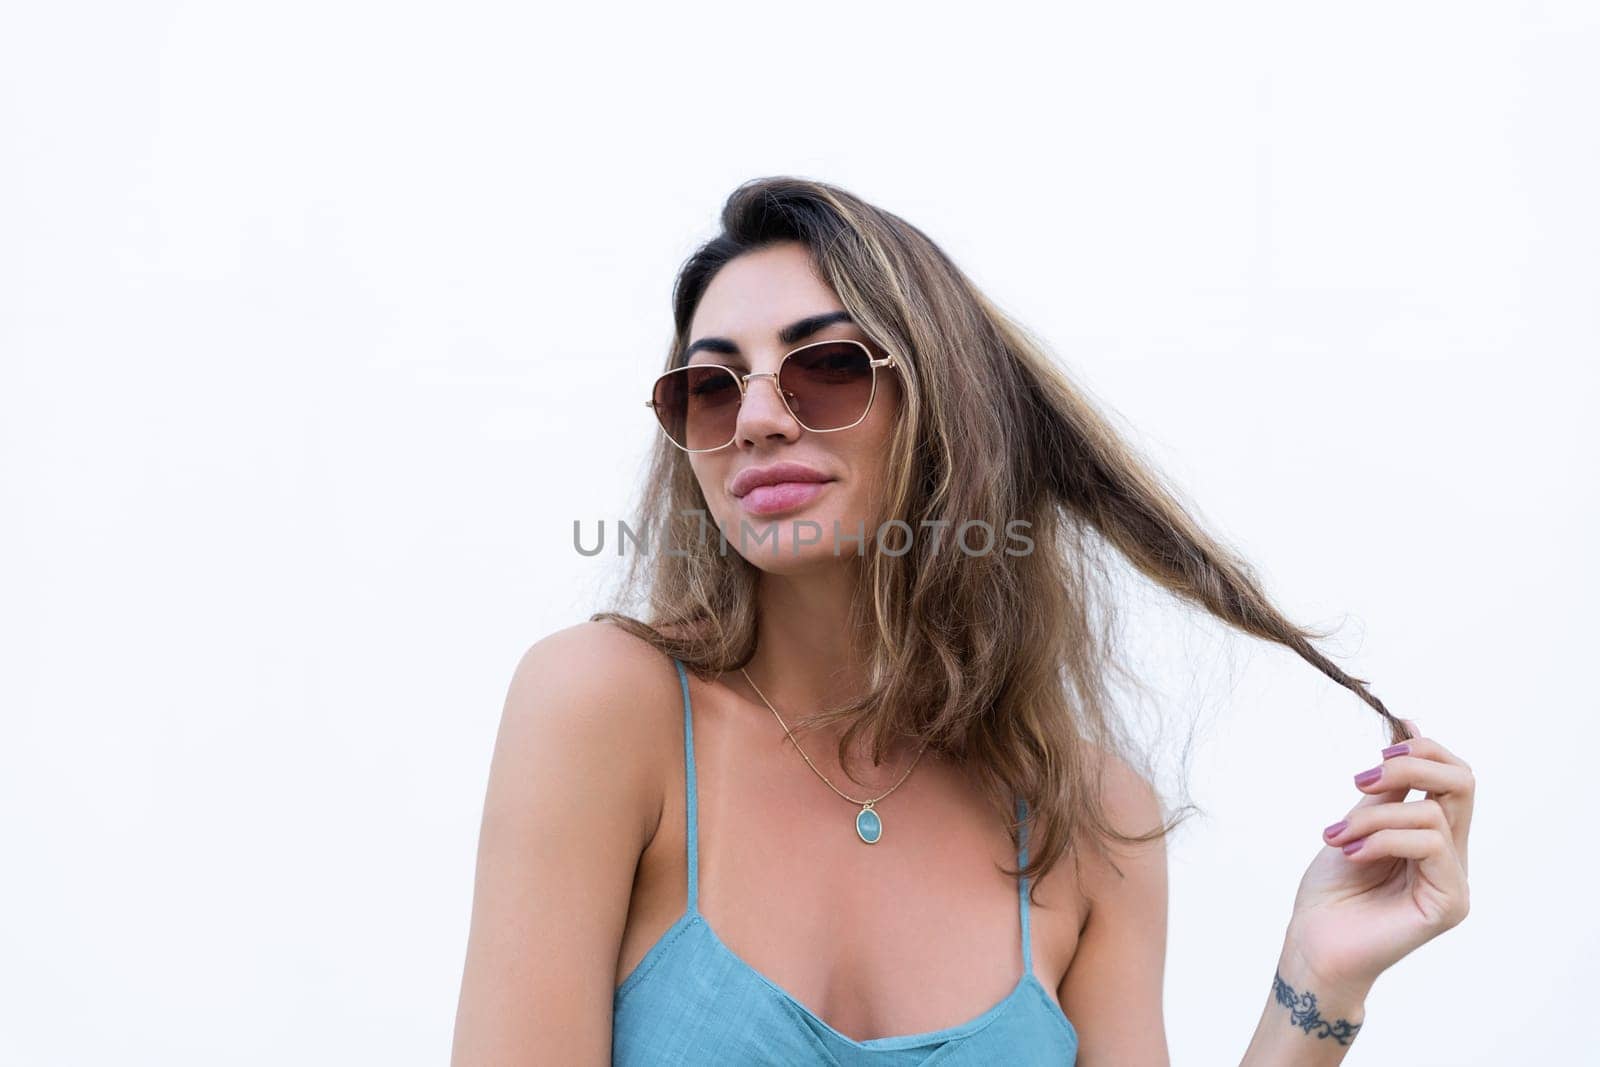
x=918, y=932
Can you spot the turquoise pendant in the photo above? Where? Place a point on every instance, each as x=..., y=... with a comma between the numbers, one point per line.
x=868, y=826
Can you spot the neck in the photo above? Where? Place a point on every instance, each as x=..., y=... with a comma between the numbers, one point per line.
x=807, y=660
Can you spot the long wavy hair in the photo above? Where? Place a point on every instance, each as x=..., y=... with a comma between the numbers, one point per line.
x=1003, y=662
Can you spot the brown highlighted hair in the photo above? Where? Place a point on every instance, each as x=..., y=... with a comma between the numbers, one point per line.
x=1002, y=662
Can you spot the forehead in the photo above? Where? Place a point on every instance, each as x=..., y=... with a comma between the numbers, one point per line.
x=757, y=293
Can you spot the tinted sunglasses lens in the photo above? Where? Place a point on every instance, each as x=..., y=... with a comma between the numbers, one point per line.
x=828, y=386
x=698, y=406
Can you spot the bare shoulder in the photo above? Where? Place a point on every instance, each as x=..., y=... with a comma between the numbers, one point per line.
x=1132, y=806
x=1132, y=803
x=601, y=654
x=594, y=690
x=1126, y=875
x=576, y=787
x=609, y=668
x=1113, y=989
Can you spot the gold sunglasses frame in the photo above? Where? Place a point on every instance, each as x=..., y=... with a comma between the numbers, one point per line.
x=743, y=381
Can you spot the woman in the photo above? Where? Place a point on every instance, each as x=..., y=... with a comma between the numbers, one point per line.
x=871, y=547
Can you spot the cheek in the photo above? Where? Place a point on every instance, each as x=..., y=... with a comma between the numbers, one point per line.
x=870, y=474
x=704, y=475
x=872, y=457
x=873, y=482
x=708, y=472
x=884, y=418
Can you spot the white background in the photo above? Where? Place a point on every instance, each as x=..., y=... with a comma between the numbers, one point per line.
x=321, y=322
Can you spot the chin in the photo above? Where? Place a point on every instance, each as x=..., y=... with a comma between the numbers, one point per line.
x=788, y=543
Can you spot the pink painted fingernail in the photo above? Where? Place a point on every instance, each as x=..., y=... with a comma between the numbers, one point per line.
x=1336, y=829
x=1353, y=847
x=1368, y=777
x=1396, y=750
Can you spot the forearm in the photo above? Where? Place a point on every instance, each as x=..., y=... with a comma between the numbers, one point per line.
x=1305, y=1022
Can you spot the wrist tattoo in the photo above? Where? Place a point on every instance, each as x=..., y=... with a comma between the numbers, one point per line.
x=1303, y=1013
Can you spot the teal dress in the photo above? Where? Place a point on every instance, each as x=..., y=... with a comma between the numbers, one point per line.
x=690, y=1000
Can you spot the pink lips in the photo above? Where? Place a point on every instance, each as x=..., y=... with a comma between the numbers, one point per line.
x=777, y=487
x=784, y=496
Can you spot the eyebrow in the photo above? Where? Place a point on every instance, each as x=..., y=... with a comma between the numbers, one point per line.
x=791, y=334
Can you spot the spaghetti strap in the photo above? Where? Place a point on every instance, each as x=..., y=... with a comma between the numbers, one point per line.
x=692, y=818
x=1022, y=886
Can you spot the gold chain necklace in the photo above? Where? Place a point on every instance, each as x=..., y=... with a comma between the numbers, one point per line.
x=869, y=824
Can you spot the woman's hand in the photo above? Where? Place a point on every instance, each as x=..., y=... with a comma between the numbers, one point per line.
x=1394, y=873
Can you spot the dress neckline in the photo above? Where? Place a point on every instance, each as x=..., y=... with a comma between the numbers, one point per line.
x=694, y=917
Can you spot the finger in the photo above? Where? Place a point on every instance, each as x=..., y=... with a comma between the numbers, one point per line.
x=1364, y=819
x=1436, y=862
x=1387, y=797
x=1427, y=747
x=1416, y=772
x=1417, y=764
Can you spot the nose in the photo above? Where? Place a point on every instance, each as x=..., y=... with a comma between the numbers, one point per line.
x=763, y=415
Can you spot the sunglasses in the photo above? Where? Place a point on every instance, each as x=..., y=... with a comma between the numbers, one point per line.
x=826, y=385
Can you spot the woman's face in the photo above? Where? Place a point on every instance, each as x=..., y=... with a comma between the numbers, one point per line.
x=749, y=301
